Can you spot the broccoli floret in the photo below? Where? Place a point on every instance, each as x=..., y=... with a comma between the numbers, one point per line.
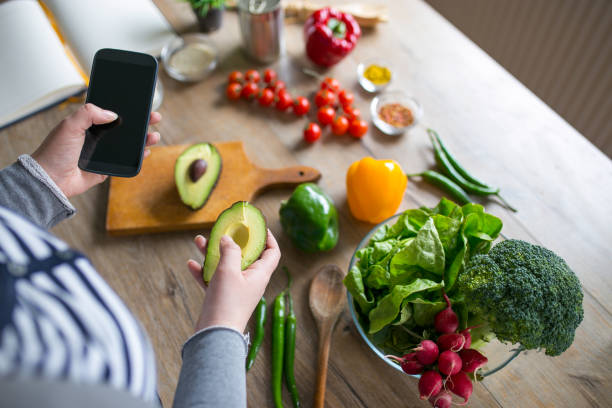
x=526, y=293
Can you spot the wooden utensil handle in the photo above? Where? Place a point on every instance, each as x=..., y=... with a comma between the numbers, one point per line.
x=287, y=176
x=323, y=358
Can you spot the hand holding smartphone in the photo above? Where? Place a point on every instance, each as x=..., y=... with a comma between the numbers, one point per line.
x=122, y=82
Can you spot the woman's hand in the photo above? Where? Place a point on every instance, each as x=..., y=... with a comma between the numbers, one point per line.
x=233, y=294
x=59, y=153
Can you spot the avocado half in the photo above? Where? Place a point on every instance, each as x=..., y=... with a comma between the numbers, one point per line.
x=246, y=225
x=196, y=172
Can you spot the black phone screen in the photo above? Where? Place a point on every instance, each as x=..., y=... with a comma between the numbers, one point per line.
x=122, y=82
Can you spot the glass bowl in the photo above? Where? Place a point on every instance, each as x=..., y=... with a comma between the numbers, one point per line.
x=366, y=83
x=189, y=58
x=394, y=97
x=499, y=354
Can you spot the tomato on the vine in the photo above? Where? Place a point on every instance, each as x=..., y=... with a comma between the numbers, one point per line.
x=312, y=132
x=346, y=98
x=301, y=106
x=358, y=128
x=252, y=75
x=325, y=115
x=278, y=85
x=331, y=83
x=233, y=90
x=325, y=97
x=266, y=98
x=283, y=101
x=269, y=76
x=249, y=90
x=235, y=76
x=340, y=125
x=351, y=112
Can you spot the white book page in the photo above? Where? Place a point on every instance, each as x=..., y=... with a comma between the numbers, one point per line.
x=34, y=68
x=88, y=25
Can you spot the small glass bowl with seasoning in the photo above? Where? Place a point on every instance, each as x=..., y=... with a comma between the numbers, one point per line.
x=374, y=75
x=189, y=58
x=394, y=112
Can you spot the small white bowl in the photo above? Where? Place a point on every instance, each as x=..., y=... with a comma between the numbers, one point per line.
x=394, y=97
x=366, y=83
x=196, y=72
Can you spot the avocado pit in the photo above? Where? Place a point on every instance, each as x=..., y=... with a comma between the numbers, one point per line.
x=197, y=169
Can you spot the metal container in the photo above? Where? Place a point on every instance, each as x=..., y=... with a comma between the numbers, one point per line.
x=261, y=24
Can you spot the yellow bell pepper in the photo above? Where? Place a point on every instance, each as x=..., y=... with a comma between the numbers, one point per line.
x=375, y=188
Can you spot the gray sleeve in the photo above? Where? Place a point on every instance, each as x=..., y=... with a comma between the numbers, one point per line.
x=28, y=190
x=213, y=372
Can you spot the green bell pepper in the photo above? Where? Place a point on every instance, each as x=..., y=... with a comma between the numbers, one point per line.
x=310, y=218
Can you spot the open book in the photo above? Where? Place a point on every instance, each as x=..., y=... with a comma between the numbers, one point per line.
x=47, y=48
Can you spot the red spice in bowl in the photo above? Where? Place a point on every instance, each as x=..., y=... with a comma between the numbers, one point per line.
x=396, y=115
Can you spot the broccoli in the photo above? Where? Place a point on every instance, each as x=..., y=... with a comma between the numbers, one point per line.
x=526, y=293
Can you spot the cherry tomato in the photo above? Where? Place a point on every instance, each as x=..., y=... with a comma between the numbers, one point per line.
x=235, y=76
x=277, y=86
x=312, y=132
x=252, y=75
x=346, y=98
x=331, y=83
x=282, y=91
x=266, y=98
x=351, y=112
x=250, y=90
x=325, y=115
x=301, y=106
x=358, y=128
x=340, y=125
x=233, y=90
x=283, y=101
x=269, y=76
x=325, y=97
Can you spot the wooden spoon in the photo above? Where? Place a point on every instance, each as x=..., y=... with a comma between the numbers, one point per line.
x=327, y=301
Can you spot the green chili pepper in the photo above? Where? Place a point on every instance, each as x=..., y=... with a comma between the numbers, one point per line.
x=458, y=173
x=445, y=183
x=444, y=162
x=288, y=358
x=454, y=162
x=260, y=321
x=278, y=345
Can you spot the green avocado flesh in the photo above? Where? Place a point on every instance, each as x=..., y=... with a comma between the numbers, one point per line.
x=246, y=225
x=195, y=193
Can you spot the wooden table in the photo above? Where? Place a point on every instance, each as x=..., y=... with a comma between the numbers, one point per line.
x=561, y=184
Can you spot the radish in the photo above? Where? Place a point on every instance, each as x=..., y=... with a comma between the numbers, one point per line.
x=468, y=337
x=472, y=360
x=409, y=363
x=461, y=385
x=430, y=384
x=449, y=363
x=443, y=399
x=451, y=341
x=427, y=352
x=446, y=321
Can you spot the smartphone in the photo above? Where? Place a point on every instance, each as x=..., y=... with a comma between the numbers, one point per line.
x=122, y=82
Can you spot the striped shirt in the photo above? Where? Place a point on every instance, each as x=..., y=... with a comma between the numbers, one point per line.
x=60, y=320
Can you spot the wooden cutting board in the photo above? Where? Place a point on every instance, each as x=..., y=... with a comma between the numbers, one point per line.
x=150, y=202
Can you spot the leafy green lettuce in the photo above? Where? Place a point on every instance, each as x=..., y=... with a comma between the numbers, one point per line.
x=399, y=276
x=388, y=307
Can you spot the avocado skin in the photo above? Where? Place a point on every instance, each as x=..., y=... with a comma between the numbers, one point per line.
x=310, y=219
x=208, y=189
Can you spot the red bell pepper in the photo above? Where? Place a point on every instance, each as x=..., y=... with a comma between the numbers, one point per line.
x=330, y=35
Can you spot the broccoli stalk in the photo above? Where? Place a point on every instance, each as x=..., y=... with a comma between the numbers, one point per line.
x=527, y=294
